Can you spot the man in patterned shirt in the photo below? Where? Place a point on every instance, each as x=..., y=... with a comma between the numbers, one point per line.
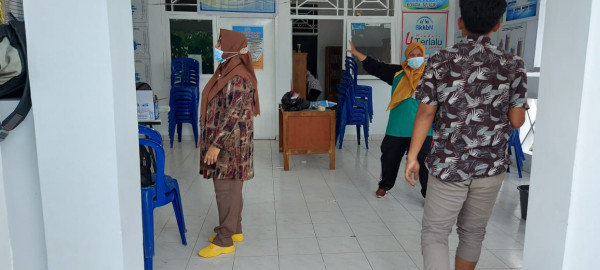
x=477, y=94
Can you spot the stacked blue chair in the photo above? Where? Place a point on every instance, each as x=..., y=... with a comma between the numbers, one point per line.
x=515, y=142
x=184, y=96
x=350, y=112
x=354, y=104
x=165, y=190
x=362, y=91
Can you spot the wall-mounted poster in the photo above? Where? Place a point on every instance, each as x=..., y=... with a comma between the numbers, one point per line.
x=511, y=38
x=521, y=9
x=139, y=13
x=425, y=4
x=238, y=6
x=429, y=28
x=254, y=34
x=142, y=70
x=140, y=42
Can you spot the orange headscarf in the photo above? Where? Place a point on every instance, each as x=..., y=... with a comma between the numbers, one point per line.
x=409, y=82
x=238, y=65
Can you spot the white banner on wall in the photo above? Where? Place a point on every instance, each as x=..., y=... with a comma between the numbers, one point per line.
x=140, y=42
x=511, y=38
x=139, y=12
x=425, y=4
x=429, y=28
x=142, y=70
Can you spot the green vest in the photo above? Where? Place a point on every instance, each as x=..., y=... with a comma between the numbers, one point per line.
x=402, y=117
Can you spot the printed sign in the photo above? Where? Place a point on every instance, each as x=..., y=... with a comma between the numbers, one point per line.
x=239, y=6
x=521, y=9
x=511, y=38
x=140, y=42
x=429, y=28
x=139, y=12
x=425, y=4
x=254, y=34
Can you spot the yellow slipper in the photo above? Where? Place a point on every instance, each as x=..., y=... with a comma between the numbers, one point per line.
x=213, y=250
x=238, y=237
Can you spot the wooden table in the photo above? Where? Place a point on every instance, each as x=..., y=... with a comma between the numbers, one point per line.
x=306, y=132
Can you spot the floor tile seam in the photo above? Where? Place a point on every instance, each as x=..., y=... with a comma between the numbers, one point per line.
x=275, y=208
x=312, y=224
x=202, y=226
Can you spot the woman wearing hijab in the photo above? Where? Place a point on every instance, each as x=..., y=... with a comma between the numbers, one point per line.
x=403, y=109
x=229, y=103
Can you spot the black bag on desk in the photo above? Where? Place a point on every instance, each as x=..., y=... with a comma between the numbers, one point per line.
x=146, y=166
x=14, y=81
x=291, y=103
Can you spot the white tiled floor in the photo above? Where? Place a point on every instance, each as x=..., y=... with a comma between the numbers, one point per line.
x=312, y=218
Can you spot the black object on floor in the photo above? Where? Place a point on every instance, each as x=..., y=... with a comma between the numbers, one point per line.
x=524, y=194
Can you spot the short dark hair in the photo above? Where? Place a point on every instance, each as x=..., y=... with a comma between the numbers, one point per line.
x=480, y=16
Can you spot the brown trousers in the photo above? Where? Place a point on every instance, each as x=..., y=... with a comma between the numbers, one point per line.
x=229, y=204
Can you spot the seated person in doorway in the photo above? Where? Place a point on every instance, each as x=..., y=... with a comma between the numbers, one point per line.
x=314, y=87
x=404, y=79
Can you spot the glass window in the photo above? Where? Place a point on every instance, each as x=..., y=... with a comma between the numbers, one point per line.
x=181, y=5
x=372, y=39
x=193, y=39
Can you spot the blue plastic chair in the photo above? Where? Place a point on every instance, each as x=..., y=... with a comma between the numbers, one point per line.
x=362, y=91
x=185, y=72
x=164, y=191
x=349, y=107
x=184, y=96
x=184, y=109
x=515, y=142
x=350, y=112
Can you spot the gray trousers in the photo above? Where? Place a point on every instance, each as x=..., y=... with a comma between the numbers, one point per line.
x=229, y=204
x=468, y=204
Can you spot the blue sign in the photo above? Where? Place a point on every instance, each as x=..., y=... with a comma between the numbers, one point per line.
x=426, y=4
x=424, y=23
x=358, y=26
x=240, y=6
x=521, y=9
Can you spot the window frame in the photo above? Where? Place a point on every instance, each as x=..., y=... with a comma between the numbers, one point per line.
x=184, y=15
x=383, y=20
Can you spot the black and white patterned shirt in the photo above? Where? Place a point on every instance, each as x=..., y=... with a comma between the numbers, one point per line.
x=474, y=84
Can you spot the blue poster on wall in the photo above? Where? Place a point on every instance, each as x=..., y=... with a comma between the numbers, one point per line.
x=239, y=6
x=425, y=4
x=255, y=36
x=521, y=9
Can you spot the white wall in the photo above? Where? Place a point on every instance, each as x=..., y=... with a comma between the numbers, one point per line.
x=22, y=193
x=86, y=132
x=562, y=219
x=266, y=125
x=6, y=257
x=283, y=34
x=583, y=231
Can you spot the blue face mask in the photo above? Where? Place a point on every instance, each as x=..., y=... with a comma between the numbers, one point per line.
x=218, y=55
x=416, y=62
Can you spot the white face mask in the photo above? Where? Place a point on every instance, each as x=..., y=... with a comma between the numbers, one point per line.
x=416, y=62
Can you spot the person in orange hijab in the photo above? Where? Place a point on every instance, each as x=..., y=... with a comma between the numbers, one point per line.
x=229, y=104
x=403, y=107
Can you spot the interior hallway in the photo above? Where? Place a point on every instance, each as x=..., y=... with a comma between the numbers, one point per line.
x=312, y=218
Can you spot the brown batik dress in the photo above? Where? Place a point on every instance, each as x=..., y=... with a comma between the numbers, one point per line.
x=229, y=126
